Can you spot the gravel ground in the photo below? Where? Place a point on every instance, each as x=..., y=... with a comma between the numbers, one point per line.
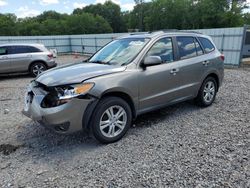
x=179, y=146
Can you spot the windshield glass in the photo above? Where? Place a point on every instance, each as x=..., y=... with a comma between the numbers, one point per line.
x=120, y=52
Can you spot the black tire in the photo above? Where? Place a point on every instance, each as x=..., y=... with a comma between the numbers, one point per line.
x=100, y=112
x=35, y=66
x=201, y=100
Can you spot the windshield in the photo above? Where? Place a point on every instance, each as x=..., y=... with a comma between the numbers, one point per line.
x=119, y=52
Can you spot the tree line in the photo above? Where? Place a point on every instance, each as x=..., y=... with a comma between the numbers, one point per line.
x=146, y=16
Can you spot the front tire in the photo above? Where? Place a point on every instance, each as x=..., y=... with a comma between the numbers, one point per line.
x=111, y=119
x=207, y=92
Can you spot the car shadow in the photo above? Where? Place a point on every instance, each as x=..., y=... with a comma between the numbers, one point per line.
x=157, y=116
x=38, y=140
x=14, y=76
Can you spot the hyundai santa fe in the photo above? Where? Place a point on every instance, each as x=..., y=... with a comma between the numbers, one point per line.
x=129, y=76
x=32, y=58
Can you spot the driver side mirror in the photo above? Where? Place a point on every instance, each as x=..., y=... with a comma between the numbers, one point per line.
x=151, y=61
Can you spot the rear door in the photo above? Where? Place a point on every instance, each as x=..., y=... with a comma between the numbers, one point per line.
x=208, y=48
x=190, y=66
x=20, y=57
x=5, y=65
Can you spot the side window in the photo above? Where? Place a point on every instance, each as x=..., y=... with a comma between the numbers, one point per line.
x=164, y=49
x=20, y=49
x=14, y=50
x=207, y=45
x=198, y=47
x=32, y=49
x=3, y=50
x=186, y=47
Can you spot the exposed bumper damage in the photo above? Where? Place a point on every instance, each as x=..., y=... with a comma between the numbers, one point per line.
x=65, y=118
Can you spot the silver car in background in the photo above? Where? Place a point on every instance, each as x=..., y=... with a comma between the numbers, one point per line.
x=32, y=58
x=129, y=76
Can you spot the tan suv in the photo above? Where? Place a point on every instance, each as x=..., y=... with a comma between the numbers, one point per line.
x=32, y=58
x=129, y=76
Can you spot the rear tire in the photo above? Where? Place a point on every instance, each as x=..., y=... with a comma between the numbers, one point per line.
x=37, y=68
x=111, y=119
x=207, y=92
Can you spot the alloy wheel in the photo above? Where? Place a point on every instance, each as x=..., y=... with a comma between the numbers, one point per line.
x=38, y=69
x=113, y=121
x=209, y=92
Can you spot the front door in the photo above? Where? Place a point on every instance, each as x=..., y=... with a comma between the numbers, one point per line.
x=157, y=84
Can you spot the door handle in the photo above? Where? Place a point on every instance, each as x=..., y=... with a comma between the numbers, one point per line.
x=29, y=55
x=174, y=71
x=4, y=57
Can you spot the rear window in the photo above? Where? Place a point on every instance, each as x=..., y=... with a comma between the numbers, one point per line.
x=207, y=45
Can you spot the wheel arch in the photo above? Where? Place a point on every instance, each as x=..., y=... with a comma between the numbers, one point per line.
x=123, y=95
x=37, y=61
x=216, y=77
x=89, y=111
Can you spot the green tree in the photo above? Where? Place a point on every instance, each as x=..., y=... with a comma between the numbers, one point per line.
x=7, y=24
x=86, y=23
x=146, y=16
x=109, y=11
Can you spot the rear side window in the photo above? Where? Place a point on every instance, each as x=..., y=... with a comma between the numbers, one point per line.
x=207, y=45
x=3, y=50
x=33, y=49
x=23, y=49
x=186, y=46
x=198, y=47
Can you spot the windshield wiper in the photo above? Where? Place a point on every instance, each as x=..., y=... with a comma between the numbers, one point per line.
x=100, y=62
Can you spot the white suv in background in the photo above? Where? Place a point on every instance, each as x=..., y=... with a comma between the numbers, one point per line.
x=32, y=58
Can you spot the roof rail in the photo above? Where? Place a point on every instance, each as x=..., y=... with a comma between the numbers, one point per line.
x=175, y=30
x=164, y=31
x=138, y=33
x=190, y=31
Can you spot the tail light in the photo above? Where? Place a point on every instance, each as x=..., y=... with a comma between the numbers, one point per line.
x=222, y=57
x=50, y=56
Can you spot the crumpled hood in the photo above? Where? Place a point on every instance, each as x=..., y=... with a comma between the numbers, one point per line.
x=76, y=73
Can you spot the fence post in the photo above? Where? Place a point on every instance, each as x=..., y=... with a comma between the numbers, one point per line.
x=70, y=44
x=242, y=43
x=95, y=44
x=54, y=42
x=222, y=43
x=82, y=45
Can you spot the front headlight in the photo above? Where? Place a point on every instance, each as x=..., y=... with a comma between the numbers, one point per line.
x=74, y=91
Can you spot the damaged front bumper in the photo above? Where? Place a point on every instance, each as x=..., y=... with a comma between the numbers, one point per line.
x=66, y=118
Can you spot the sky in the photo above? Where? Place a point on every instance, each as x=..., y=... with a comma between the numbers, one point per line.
x=30, y=8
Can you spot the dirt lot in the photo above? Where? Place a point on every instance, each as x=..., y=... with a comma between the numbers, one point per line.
x=179, y=146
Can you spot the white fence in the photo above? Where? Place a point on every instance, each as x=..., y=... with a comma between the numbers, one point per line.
x=228, y=40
